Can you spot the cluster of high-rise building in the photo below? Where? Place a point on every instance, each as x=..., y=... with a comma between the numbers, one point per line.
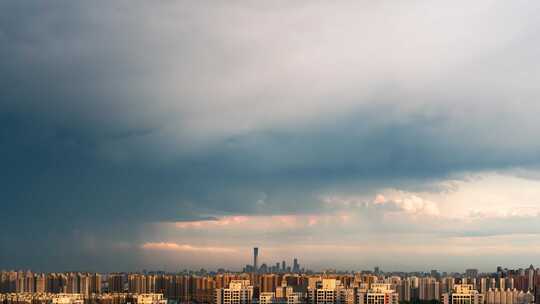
x=466, y=294
x=308, y=290
x=370, y=289
x=29, y=282
x=275, y=268
x=283, y=286
x=77, y=298
x=278, y=285
x=18, y=287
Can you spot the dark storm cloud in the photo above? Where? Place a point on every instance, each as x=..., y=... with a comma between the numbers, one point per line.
x=114, y=115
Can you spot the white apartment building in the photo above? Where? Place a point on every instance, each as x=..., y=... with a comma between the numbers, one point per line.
x=239, y=292
x=463, y=294
x=508, y=296
x=378, y=293
x=288, y=297
x=332, y=291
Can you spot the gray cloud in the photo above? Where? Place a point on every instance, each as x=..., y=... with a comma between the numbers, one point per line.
x=113, y=115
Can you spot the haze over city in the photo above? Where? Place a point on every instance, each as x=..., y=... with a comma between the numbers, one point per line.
x=172, y=135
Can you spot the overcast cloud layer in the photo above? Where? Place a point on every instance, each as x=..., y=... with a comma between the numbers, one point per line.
x=178, y=134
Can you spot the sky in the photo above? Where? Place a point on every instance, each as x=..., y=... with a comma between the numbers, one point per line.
x=180, y=134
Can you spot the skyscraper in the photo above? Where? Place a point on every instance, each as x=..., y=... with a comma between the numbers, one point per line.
x=255, y=256
x=296, y=266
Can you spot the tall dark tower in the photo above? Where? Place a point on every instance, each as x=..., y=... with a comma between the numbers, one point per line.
x=255, y=256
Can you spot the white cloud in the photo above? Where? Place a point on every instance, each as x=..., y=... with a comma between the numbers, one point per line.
x=490, y=194
x=408, y=202
x=390, y=200
x=374, y=229
x=170, y=246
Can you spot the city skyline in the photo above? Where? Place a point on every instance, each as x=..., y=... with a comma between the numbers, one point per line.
x=289, y=265
x=181, y=134
x=505, y=286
